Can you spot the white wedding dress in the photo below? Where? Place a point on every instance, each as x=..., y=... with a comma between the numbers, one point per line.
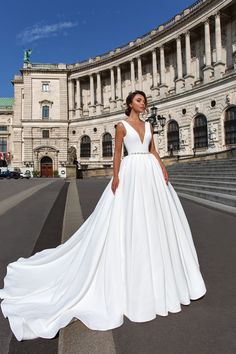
x=133, y=256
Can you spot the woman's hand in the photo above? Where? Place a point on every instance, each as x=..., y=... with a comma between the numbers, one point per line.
x=165, y=173
x=115, y=183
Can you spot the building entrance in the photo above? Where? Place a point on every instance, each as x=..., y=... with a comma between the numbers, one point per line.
x=46, y=167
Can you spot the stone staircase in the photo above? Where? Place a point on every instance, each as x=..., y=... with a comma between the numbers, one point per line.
x=209, y=180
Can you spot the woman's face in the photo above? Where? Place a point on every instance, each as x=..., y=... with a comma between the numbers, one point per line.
x=138, y=103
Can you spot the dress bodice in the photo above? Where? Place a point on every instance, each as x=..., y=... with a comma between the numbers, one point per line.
x=132, y=139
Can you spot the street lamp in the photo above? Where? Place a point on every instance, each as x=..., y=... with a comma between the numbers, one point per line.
x=156, y=120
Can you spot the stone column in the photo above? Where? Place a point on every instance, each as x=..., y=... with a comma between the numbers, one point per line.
x=219, y=66
x=99, y=104
x=140, y=76
x=207, y=43
x=71, y=89
x=208, y=70
x=154, y=88
x=92, y=101
x=132, y=74
x=78, y=99
x=99, y=92
x=179, y=58
x=163, y=86
x=179, y=83
x=119, y=100
x=230, y=49
x=189, y=76
x=113, y=98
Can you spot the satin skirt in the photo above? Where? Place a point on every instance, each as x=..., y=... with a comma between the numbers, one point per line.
x=134, y=256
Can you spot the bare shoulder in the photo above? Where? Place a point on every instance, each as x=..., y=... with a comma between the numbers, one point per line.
x=119, y=125
x=120, y=128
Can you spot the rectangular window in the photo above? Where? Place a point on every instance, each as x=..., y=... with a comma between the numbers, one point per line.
x=3, y=145
x=45, y=134
x=45, y=111
x=3, y=128
x=45, y=87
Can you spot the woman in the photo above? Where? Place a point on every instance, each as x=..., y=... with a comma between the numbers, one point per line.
x=136, y=104
x=133, y=256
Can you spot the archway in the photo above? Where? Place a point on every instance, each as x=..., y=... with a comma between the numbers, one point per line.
x=85, y=146
x=173, y=136
x=200, y=131
x=230, y=125
x=107, y=145
x=46, y=167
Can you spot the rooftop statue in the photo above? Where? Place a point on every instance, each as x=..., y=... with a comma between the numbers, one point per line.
x=27, y=54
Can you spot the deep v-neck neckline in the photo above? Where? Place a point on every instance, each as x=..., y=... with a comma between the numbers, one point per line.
x=137, y=132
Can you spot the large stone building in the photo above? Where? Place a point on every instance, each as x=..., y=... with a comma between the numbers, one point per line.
x=6, y=115
x=186, y=66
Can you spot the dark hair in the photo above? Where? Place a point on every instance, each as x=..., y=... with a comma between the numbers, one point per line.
x=129, y=100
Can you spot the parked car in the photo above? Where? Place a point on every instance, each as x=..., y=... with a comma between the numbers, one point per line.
x=26, y=174
x=14, y=174
x=5, y=174
x=10, y=174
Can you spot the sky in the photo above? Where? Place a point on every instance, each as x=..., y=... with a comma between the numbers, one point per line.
x=68, y=31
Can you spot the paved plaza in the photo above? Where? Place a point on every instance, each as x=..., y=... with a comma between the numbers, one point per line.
x=40, y=213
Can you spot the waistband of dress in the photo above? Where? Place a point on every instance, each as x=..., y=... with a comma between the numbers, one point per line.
x=141, y=152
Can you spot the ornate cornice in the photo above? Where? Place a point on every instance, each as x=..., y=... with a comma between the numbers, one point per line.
x=45, y=147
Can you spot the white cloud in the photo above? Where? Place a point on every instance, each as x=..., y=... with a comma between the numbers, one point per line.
x=39, y=31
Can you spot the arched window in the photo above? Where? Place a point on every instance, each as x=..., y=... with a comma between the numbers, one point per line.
x=46, y=159
x=107, y=145
x=230, y=125
x=45, y=111
x=173, y=136
x=200, y=131
x=85, y=146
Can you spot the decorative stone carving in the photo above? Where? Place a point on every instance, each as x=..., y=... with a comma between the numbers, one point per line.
x=71, y=156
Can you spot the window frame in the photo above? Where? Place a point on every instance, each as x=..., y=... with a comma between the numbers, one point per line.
x=43, y=111
x=43, y=132
x=3, y=144
x=44, y=85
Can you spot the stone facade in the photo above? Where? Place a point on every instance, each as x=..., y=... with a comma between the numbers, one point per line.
x=6, y=115
x=30, y=143
x=187, y=68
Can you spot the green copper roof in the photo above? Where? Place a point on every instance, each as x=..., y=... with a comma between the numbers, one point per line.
x=6, y=101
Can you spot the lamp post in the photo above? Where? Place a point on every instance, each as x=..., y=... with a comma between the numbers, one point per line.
x=156, y=120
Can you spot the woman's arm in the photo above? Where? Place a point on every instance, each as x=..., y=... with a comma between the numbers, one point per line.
x=119, y=135
x=152, y=149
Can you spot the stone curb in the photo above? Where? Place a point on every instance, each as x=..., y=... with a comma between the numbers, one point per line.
x=76, y=338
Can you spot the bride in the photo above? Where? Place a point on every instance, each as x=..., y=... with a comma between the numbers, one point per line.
x=134, y=255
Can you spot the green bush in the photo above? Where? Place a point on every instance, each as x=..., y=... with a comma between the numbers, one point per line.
x=35, y=173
